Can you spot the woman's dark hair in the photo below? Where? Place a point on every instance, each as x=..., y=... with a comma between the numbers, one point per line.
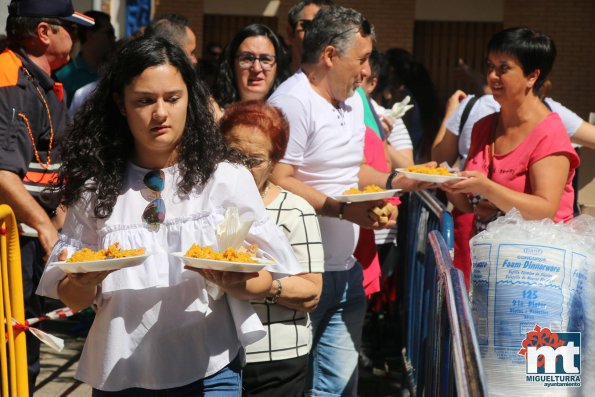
x=98, y=146
x=101, y=19
x=379, y=67
x=266, y=118
x=406, y=72
x=226, y=91
x=534, y=50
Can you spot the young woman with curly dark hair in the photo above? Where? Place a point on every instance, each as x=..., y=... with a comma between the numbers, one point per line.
x=145, y=166
x=253, y=65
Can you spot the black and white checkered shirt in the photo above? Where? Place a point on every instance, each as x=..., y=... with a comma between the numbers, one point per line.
x=288, y=330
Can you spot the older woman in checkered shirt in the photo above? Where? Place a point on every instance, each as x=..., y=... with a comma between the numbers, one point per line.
x=277, y=363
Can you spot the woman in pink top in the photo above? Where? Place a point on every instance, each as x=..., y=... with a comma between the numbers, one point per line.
x=520, y=157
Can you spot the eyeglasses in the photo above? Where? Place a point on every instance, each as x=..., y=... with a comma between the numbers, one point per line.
x=247, y=59
x=154, y=213
x=253, y=162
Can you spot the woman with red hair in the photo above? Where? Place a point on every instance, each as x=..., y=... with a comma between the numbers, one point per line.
x=276, y=365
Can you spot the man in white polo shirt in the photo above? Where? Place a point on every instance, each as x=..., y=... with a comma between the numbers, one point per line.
x=323, y=159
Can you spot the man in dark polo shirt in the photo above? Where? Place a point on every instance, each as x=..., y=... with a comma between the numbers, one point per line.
x=32, y=122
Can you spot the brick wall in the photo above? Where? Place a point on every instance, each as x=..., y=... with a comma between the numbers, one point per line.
x=570, y=24
x=284, y=7
x=392, y=19
x=193, y=10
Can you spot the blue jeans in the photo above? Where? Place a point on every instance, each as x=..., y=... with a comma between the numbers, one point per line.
x=225, y=383
x=337, y=328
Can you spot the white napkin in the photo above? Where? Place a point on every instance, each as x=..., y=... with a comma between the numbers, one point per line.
x=232, y=232
x=450, y=169
x=400, y=108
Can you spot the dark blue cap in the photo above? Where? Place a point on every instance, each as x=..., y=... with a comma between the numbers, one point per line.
x=61, y=9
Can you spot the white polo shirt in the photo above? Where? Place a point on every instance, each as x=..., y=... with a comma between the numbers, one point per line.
x=326, y=146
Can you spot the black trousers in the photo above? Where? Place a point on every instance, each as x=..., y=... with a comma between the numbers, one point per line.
x=283, y=378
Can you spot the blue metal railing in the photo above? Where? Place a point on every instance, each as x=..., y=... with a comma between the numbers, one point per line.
x=458, y=339
x=425, y=213
x=437, y=310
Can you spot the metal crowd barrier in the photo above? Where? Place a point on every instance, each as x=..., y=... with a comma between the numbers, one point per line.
x=441, y=354
x=13, y=354
x=455, y=330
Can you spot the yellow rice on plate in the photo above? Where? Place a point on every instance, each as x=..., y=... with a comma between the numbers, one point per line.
x=243, y=254
x=113, y=251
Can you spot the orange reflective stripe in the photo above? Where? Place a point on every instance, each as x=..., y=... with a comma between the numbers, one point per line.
x=59, y=90
x=41, y=177
x=9, y=72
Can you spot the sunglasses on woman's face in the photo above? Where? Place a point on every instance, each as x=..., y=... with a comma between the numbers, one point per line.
x=154, y=213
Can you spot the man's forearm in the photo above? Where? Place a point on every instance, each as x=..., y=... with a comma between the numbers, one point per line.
x=24, y=206
x=399, y=158
x=322, y=204
x=26, y=209
x=371, y=176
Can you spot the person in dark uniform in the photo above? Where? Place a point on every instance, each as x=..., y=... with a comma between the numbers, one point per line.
x=32, y=120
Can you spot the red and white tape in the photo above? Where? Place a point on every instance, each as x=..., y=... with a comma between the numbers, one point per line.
x=52, y=341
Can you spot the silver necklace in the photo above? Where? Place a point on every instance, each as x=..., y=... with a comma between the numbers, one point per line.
x=266, y=189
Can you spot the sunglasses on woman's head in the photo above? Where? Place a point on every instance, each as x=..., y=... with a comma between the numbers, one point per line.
x=154, y=213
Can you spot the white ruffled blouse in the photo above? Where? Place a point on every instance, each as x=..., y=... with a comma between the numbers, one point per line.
x=156, y=325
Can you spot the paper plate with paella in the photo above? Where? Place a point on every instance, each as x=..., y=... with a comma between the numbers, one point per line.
x=429, y=174
x=242, y=260
x=113, y=258
x=369, y=193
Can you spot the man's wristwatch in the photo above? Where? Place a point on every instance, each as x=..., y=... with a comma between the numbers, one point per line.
x=389, y=180
x=342, y=206
x=272, y=300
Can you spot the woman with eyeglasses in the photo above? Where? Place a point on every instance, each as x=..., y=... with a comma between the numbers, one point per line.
x=253, y=64
x=519, y=157
x=276, y=365
x=145, y=166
